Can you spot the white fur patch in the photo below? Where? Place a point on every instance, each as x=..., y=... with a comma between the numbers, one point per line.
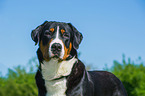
x=57, y=40
x=52, y=70
x=56, y=87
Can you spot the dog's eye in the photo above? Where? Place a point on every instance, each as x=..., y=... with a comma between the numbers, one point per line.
x=65, y=35
x=48, y=33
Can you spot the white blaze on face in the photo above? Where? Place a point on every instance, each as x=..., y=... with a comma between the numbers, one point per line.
x=56, y=40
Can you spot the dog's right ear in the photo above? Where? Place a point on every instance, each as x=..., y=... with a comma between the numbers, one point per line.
x=35, y=34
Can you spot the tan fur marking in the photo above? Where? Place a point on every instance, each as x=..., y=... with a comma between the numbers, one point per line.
x=62, y=31
x=67, y=51
x=52, y=29
x=44, y=50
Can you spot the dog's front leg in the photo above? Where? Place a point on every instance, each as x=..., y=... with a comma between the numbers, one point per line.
x=40, y=84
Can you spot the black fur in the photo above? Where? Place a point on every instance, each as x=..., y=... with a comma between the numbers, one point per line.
x=35, y=34
x=40, y=84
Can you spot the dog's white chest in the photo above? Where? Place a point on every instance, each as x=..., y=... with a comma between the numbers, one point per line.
x=56, y=88
x=52, y=70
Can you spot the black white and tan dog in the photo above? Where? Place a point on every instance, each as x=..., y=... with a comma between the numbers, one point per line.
x=60, y=72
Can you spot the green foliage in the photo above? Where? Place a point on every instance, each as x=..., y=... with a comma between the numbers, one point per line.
x=18, y=82
x=132, y=75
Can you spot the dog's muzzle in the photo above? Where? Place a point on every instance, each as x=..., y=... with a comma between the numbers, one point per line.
x=56, y=49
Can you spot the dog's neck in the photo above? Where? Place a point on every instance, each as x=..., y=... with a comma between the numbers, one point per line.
x=53, y=69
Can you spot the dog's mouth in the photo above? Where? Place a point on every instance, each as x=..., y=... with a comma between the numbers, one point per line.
x=55, y=53
x=56, y=56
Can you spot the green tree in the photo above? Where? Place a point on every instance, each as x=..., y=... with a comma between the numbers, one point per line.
x=132, y=75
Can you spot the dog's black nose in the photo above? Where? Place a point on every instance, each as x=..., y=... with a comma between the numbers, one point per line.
x=56, y=48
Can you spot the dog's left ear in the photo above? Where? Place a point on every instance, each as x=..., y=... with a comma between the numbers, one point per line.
x=35, y=34
x=77, y=36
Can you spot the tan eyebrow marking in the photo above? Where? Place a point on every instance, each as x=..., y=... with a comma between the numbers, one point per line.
x=52, y=29
x=62, y=31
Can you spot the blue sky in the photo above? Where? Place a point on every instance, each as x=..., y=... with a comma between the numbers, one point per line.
x=110, y=28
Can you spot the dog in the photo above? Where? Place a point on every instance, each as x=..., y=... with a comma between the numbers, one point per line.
x=60, y=72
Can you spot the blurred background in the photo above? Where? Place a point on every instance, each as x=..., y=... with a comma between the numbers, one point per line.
x=113, y=31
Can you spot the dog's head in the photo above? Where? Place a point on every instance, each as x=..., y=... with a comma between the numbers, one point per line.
x=56, y=40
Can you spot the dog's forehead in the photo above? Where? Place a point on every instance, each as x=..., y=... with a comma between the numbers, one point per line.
x=61, y=25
